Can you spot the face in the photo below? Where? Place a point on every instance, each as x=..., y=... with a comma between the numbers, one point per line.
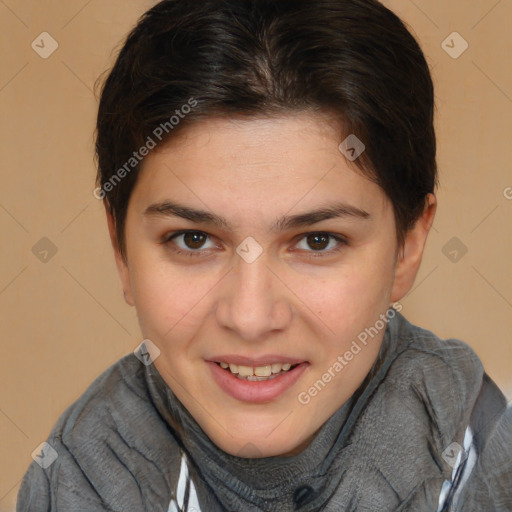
x=256, y=256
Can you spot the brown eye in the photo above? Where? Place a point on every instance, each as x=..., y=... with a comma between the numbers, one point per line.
x=194, y=240
x=189, y=243
x=318, y=242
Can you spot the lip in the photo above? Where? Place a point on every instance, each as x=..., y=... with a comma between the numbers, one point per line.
x=256, y=392
x=254, y=361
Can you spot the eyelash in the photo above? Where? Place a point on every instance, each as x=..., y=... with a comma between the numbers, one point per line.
x=199, y=252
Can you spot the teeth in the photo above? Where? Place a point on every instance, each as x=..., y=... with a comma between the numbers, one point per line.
x=276, y=367
x=254, y=377
x=268, y=370
x=263, y=371
x=245, y=371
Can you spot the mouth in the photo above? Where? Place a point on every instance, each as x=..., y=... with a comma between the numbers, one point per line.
x=257, y=373
x=256, y=381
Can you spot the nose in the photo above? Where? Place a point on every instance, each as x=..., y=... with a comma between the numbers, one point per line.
x=253, y=302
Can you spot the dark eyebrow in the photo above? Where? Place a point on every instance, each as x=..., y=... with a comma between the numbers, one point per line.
x=172, y=209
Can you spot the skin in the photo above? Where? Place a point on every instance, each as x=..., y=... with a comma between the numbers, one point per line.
x=299, y=298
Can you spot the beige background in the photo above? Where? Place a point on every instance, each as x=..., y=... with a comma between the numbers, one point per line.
x=64, y=320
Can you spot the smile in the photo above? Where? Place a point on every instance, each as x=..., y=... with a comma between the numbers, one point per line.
x=261, y=383
x=257, y=373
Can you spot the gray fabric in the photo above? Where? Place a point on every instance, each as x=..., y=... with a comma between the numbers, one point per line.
x=120, y=444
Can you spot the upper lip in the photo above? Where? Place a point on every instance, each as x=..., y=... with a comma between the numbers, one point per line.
x=262, y=360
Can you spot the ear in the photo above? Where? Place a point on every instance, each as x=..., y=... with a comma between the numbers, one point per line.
x=409, y=257
x=122, y=265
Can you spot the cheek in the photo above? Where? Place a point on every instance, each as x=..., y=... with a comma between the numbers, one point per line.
x=173, y=302
x=165, y=298
x=350, y=300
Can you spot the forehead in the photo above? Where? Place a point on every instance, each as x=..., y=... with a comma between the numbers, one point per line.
x=254, y=162
x=263, y=142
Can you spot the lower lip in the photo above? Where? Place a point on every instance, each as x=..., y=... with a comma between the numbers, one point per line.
x=255, y=391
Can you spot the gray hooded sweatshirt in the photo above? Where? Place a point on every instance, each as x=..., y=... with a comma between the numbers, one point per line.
x=426, y=431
